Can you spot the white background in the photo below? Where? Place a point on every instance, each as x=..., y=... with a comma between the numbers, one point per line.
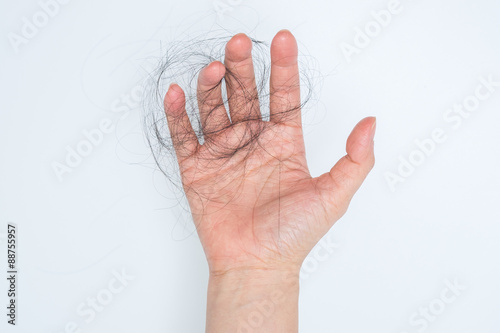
x=395, y=248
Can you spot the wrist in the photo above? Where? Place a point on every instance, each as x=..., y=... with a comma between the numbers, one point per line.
x=245, y=299
x=255, y=278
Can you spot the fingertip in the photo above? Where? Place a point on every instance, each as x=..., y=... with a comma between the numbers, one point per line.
x=284, y=48
x=239, y=48
x=212, y=74
x=360, y=144
x=174, y=98
x=369, y=125
x=284, y=35
x=173, y=93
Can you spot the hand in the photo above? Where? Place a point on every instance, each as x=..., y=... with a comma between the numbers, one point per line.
x=264, y=209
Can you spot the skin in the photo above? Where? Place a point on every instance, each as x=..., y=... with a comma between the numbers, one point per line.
x=258, y=220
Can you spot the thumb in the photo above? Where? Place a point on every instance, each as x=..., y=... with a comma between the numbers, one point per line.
x=340, y=184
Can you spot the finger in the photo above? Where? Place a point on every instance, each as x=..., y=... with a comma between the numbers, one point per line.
x=285, y=84
x=183, y=137
x=213, y=114
x=240, y=80
x=340, y=184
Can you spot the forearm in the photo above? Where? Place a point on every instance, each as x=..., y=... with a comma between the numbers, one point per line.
x=253, y=301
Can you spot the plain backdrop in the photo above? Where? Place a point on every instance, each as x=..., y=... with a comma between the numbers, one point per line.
x=426, y=220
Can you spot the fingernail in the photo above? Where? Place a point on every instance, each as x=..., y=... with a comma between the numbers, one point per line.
x=373, y=129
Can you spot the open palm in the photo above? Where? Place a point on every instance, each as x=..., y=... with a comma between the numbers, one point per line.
x=259, y=207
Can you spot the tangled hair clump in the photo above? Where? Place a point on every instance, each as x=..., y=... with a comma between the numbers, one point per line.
x=181, y=63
